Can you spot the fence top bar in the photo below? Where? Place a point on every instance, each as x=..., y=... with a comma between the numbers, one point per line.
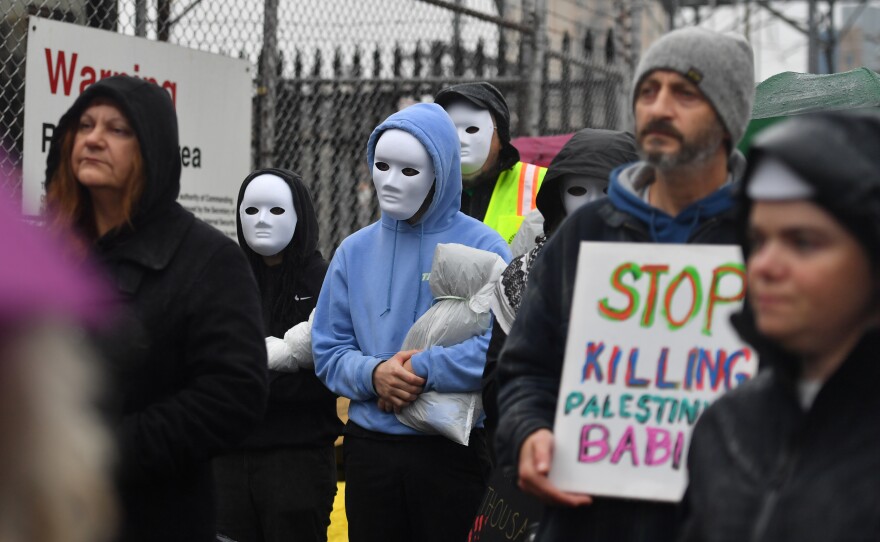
x=398, y=80
x=584, y=63
x=482, y=16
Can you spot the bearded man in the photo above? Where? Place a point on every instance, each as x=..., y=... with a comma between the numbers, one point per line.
x=692, y=98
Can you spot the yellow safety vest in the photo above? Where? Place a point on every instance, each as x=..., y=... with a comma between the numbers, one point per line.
x=513, y=197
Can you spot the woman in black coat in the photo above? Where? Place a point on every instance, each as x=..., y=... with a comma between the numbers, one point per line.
x=186, y=357
x=794, y=454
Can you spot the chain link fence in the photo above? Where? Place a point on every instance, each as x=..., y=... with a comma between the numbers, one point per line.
x=330, y=71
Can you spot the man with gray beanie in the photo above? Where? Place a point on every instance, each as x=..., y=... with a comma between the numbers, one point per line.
x=692, y=97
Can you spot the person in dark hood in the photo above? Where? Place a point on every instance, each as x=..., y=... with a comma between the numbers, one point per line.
x=498, y=189
x=281, y=482
x=691, y=97
x=186, y=353
x=577, y=176
x=794, y=454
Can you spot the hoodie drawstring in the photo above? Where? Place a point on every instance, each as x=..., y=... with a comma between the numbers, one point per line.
x=419, y=277
x=391, y=274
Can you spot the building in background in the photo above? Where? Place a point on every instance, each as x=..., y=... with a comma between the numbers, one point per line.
x=861, y=45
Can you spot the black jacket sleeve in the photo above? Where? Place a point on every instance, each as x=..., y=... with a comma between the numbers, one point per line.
x=530, y=365
x=224, y=376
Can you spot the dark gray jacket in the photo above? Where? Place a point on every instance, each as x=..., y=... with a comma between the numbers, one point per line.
x=763, y=470
x=531, y=365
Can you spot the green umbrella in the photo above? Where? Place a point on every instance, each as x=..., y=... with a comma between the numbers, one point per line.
x=789, y=93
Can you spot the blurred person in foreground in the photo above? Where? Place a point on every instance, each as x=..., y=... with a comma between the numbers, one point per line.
x=794, y=454
x=692, y=96
x=186, y=355
x=55, y=450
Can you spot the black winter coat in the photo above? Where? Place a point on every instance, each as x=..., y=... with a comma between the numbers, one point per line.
x=301, y=411
x=531, y=364
x=777, y=473
x=186, y=355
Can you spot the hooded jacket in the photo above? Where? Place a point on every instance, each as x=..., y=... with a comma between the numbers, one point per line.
x=301, y=411
x=186, y=354
x=589, y=153
x=476, y=199
x=761, y=467
x=628, y=181
x=531, y=362
x=377, y=285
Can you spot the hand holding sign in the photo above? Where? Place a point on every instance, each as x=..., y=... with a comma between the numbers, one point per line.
x=535, y=458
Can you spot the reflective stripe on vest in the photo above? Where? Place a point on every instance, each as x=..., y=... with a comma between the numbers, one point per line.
x=528, y=189
x=514, y=196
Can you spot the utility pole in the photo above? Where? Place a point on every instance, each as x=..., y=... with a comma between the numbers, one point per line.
x=812, y=37
x=534, y=53
x=831, y=40
x=268, y=83
x=140, y=18
x=456, y=25
x=636, y=33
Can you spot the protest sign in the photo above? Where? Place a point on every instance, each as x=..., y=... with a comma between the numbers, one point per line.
x=506, y=513
x=650, y=347
x=211, y=94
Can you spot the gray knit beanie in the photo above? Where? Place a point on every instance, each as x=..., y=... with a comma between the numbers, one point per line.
x=721, y=65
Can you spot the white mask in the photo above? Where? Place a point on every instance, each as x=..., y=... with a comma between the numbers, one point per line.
x=403, y=174
x=475, y=130
x=579, y=190
x=268, y=219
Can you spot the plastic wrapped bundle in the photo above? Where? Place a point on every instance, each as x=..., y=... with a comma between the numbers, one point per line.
x=294, y=351
x=462, y=282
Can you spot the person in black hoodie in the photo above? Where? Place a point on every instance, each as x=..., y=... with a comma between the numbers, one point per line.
x=281, y=483
x=186, y=354
x=576, y=176
x=794, y=454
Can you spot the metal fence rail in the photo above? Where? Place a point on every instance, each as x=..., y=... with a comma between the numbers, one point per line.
x=330, y=70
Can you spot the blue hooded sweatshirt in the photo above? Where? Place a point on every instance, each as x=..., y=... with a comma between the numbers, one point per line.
x=629, y=180
x=377, y=285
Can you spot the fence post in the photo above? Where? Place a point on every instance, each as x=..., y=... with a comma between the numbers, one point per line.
x=140, y=18
x=268, y=83
x=533, y=53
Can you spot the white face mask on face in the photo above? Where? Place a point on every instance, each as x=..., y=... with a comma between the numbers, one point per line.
x=268, y=219
x=475, y=130
x=578, y=190
x=403, y=174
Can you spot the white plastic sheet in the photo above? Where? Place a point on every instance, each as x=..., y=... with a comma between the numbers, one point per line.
x=462, y=282
x=294, y=351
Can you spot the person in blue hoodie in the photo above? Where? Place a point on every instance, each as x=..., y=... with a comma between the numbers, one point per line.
x=402, y=485
x=692, y=98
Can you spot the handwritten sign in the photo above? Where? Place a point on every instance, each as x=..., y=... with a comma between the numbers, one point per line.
x=649, y=348
x=506, y=513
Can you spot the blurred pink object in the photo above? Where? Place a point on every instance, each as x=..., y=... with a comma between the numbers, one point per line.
x=540, y=150
x=37, y=278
